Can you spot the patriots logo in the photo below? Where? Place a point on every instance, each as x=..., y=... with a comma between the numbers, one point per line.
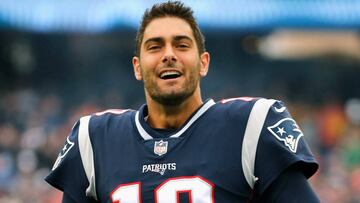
x=287, y=131
x=68, y=145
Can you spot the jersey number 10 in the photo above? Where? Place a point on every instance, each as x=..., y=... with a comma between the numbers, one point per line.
x=198, y=189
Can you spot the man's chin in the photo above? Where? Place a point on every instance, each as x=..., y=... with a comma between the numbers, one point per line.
x=172, y=99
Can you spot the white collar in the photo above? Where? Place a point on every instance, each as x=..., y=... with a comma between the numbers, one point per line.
x=146, y=136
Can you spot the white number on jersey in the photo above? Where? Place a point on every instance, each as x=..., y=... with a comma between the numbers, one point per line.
x=199, y=190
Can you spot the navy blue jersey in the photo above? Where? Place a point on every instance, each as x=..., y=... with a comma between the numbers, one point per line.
x=223, y=153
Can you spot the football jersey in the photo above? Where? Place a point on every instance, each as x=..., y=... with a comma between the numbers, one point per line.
x=222, y=153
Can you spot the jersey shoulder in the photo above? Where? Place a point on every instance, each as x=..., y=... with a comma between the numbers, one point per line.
x=235, y=107
x=119, y=114
x=111, y=117
x=236, y=103
x=237, y=111
x=72, y=170
x=239, y=104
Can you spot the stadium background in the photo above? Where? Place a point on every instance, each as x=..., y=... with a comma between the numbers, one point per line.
x=62, y=60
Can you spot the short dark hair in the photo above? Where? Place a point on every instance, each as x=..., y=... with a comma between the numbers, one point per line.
x=170, y=9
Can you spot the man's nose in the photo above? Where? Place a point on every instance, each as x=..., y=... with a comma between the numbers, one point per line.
x=169, y=55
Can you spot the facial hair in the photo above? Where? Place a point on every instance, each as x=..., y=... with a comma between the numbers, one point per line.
x=174, y=97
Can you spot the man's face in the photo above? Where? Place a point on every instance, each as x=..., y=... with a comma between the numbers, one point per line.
x=169, y=62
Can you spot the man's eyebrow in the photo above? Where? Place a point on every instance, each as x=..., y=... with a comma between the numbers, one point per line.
x=154, y=39
x=161, y=40
x=181, y=37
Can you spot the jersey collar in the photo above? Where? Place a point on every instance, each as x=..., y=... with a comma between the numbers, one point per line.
x=140, y=121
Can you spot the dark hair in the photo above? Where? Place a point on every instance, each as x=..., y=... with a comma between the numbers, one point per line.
x=171, y=9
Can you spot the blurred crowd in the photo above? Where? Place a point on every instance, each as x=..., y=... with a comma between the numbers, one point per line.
x=33, y=128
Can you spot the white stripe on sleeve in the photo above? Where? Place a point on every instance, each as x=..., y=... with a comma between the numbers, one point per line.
x=86, y=153
x=251, y=137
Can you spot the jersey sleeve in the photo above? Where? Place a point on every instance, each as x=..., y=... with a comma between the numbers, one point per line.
x=281, y=144
x=68, y=174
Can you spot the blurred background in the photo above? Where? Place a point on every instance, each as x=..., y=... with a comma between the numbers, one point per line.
x=60, y=60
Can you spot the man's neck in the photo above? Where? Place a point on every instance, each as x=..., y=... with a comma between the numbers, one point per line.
x=162, y=116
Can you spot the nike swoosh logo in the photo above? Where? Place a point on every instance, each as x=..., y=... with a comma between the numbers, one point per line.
x=280, y=110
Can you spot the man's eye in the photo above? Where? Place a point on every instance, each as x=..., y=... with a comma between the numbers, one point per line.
x=182, y=46
x=153, y=47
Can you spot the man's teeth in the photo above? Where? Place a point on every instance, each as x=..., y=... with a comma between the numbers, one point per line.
x=169, y=74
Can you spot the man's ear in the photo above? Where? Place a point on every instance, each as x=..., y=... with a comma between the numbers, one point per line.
x=136, y=66
x=205, y=61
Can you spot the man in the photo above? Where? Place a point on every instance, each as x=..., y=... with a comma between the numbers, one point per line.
x=177, y=148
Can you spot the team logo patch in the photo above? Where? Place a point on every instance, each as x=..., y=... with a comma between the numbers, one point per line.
x=68, y=145
x=287, y=131
x=160, y=147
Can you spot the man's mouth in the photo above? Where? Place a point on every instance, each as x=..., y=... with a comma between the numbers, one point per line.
x=171, y=74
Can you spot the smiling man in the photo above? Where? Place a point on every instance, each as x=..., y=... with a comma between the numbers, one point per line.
x=171, y=66
x=177, y=148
